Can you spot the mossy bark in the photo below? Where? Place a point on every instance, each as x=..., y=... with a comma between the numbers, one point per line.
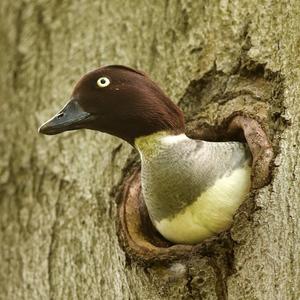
x=57, y=201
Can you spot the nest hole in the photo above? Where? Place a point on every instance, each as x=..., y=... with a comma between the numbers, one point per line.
x=138, y=237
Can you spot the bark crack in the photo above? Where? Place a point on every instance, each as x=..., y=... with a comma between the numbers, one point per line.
x=52, y=242
x=221, y=285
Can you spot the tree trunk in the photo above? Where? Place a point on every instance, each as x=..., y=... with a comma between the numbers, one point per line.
x=57, y=209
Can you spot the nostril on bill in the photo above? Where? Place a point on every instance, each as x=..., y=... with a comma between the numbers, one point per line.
x=60, y=115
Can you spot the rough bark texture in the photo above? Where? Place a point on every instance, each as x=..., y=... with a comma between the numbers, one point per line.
x=57, y=205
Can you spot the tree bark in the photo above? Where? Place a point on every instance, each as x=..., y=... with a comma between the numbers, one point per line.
x=57, y=206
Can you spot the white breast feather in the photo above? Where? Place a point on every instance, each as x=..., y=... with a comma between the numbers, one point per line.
x=211, y=213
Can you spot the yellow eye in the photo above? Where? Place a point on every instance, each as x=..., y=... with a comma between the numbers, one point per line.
x=103, y=82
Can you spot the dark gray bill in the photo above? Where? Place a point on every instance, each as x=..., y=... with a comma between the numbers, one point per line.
x=71, y=117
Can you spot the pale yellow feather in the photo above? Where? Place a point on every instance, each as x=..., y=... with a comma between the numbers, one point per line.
x=211, y=213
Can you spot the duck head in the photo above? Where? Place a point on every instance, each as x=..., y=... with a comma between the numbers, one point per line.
x=120, y=101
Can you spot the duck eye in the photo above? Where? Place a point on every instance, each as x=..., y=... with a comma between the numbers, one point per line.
x=103, y=82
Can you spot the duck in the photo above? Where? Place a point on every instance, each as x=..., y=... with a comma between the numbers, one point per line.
x=192, y=188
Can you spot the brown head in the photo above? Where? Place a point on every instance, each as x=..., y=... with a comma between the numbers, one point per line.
x=120, y=101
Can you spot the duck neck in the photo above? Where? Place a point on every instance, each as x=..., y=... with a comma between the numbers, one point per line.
x=152, y=145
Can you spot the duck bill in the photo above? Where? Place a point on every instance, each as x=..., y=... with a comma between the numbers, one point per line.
x=71, y=117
